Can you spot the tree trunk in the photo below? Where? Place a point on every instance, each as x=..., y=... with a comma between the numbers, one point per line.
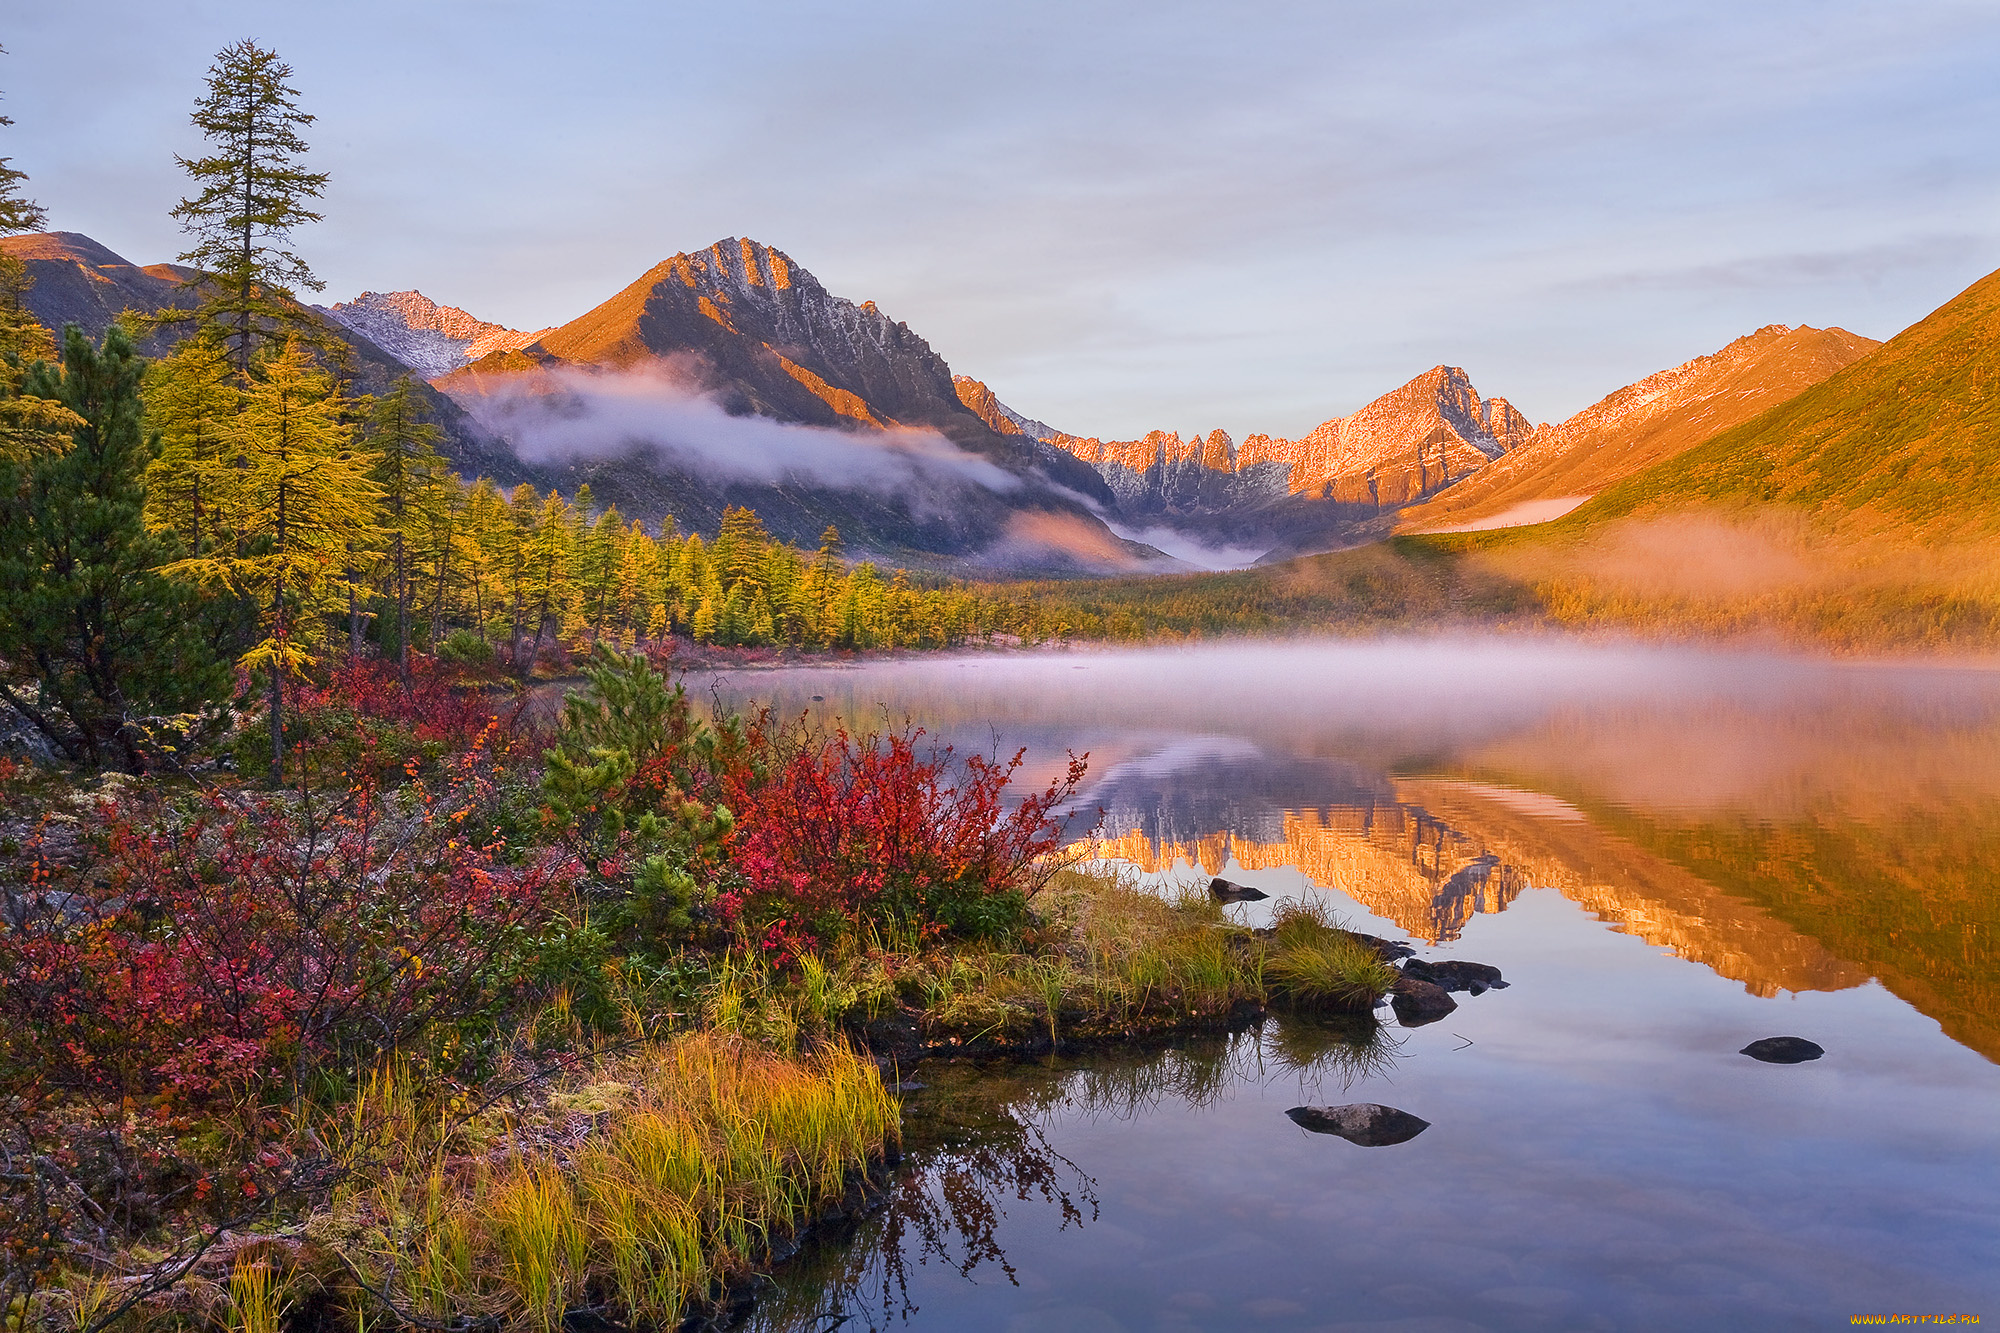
x=437, y=607
x=402, y=615
x=278, y=686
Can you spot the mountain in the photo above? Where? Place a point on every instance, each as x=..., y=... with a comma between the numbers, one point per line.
x=1639, y=425
x=429, y=338
x=1330, y=487
x=614, y=398
x=1903, y=442
x=77, y=281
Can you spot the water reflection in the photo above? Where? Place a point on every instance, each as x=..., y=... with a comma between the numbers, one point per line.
x=1793, y=825
x=1670, y=855
x=979, y=1155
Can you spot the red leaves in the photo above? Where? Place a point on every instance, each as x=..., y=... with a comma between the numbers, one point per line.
x=431, y=707
x=844, y=827
x=250, y=941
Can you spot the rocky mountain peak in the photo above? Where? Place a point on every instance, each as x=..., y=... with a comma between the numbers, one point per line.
x=429, y=338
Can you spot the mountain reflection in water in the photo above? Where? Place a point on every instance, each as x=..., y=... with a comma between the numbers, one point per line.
x=1670, y=854
x=1794, y=825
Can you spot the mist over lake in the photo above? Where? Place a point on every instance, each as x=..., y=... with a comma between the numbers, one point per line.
x=1668, y=853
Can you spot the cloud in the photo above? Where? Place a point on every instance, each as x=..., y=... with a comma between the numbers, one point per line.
x=1040, y=537
x=1190, y=549
x=1868, y=264
x=571, y=412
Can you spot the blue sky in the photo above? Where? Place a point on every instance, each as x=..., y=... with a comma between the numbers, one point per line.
x=1122, y=216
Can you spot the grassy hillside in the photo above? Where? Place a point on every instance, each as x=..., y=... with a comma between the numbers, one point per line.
x=1903, y=443
x=1645, y=423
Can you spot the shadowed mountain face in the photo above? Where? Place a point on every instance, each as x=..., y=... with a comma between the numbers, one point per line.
x=1639, y=425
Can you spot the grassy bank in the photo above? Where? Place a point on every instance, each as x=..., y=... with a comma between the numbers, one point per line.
x=1102, y=960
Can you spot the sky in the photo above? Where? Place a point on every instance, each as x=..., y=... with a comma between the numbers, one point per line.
x=1121, y=216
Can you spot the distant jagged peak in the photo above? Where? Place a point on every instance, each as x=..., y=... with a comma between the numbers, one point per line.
x=429, y=338
x=418, y=311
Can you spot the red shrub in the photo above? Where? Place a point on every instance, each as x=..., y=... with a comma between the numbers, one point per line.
x=251, y=944
x=843, y=828
x=430, y=706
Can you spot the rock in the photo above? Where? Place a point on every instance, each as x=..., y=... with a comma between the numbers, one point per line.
x=1226, y=892
x=1783, y=1050
x=1365, y=1123
x=1418, y=1002
x=1452, y=975
x=1387, y=950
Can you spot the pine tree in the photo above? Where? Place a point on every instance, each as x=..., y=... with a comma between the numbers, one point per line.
x=252, y=194
x=306, y=503
x=88, y=620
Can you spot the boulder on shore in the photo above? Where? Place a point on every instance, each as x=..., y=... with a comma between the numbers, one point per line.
x=1418, y=1002
x=1366, y=1123
x=1783, y=1050
x=1224, y=891
x=1453, y=975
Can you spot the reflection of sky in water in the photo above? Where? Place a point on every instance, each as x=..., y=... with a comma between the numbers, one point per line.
x=1600, y=1156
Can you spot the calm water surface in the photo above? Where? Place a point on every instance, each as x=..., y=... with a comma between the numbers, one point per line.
x=1668, y=854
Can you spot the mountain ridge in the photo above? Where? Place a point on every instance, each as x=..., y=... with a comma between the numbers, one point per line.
x=1642, y=423
x=1902, y=441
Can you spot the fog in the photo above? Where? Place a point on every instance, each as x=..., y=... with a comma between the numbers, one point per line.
x=571, y=412
x=1660, y=727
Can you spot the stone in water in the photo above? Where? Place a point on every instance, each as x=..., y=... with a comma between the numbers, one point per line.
x=1366, y=1123
x=1783, y=1050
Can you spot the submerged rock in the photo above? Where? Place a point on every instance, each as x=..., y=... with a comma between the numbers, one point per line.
x=1418, y=1002
x=1451, y=975
x=1387, y=950
x=1366, y=1123
x=1224, y=891
x=1783, y=1050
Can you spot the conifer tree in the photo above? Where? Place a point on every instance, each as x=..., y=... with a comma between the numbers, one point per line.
x=252, y=193
x=306, y=503
x=17, y=212
x=410, y=472
x=31, y=426
x=191, y=400
x=90, y=624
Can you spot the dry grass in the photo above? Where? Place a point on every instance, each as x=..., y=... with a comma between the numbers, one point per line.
x=672, y=1170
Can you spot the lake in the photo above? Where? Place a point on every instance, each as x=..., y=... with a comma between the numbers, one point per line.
x=1668, y=854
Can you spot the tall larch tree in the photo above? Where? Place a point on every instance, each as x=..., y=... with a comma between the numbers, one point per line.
x=192, y=398
x=18, y=213
x=252, y=192
x=307, y=503
x=410, y=472
x=28, y=426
